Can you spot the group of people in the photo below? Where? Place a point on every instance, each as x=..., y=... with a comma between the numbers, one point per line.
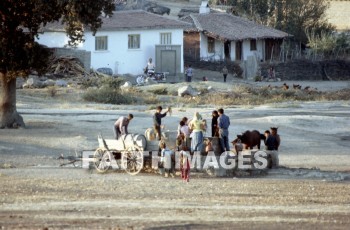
x=193, y=131
x=272, y=139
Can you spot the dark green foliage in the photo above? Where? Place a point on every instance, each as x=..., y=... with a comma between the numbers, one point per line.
x=292, y=16
x=20, y=21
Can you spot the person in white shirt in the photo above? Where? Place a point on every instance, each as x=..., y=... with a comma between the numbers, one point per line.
x=150, y=66
x=168, y=160
x=121, y=126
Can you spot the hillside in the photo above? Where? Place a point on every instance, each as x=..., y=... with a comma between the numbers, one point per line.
x=338, y=13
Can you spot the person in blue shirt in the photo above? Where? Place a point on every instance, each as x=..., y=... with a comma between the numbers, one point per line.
x=223, y=125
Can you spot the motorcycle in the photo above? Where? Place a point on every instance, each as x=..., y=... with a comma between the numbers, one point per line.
x=150, y=74
x=156, y=76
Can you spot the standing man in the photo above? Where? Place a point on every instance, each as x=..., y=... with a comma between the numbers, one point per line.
x=223, y=124
x=121, y=126
x=189, y=73
x=157, y=121
x=225, y=72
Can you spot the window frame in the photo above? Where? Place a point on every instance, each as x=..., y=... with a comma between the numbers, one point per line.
x=211, y=45
x=99, y=46
x=132, y=46
x=166, y=35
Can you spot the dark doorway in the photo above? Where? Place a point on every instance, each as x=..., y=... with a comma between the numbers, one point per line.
x=238, y=50
x=227, y=50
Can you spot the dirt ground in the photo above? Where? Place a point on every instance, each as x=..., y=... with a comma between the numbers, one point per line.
x=310, y=190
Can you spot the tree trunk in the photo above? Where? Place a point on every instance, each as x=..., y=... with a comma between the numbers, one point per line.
x=9, y=118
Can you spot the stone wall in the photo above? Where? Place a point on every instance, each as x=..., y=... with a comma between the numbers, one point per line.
x=233, y=67
x=310, y=70
x=82, y=55
x=291, y=70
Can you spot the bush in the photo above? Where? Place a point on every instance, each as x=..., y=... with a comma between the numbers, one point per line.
x=107, y=95
x=159, y=91
x=52, y=91
x=110, y=82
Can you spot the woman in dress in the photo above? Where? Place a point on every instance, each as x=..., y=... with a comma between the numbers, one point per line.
x=197, y=127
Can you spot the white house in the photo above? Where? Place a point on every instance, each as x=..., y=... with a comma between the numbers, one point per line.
x=223, y=36
x=126, y=41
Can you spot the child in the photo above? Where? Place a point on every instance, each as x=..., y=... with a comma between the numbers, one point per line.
x=183, y=135
x=209, y=147
x=185, y=165
x=167, y=158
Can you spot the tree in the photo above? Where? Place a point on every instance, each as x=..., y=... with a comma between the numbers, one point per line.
x=20, y=21
x=292, y=16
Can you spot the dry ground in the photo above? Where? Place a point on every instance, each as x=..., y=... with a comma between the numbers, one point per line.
x=38, y=194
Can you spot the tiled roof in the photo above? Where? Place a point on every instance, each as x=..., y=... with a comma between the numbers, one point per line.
x=128, y=20
x=229, y=27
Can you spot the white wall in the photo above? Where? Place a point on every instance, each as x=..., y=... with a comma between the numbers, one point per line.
x=233, y=51
x=118, y=57
x=258, y=53
x=54, y=39
x=219, y=49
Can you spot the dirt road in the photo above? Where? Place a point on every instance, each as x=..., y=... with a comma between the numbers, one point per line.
x=38, y=198
x=310, y=191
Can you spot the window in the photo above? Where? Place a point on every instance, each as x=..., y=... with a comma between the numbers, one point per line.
x=134, y=41
x=101, y=43
x=165, y=38
x=253, y=44
x=211, y=45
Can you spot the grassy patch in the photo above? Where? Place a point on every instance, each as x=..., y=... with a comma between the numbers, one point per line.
x=52, y=91
x=159, y=91
x=100, y=81
x=107, y=95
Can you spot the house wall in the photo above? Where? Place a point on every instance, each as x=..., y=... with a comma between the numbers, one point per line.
x=54, y=39
x=233, y=51
x=219, y=49
x=258, y=53
x=220, y=54
x=192, y=45
x=118, y=57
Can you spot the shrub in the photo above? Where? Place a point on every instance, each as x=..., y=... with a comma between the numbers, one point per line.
x=159, y=91
x=110, y=82
x=52, y=91
x=107, y=95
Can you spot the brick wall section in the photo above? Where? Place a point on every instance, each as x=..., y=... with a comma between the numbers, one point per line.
x=82, y=55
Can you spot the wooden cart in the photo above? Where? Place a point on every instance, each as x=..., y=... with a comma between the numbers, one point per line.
x=127, y=151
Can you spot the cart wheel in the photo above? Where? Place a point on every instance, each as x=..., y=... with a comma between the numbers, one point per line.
x=102, y=160
x=132, y=160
